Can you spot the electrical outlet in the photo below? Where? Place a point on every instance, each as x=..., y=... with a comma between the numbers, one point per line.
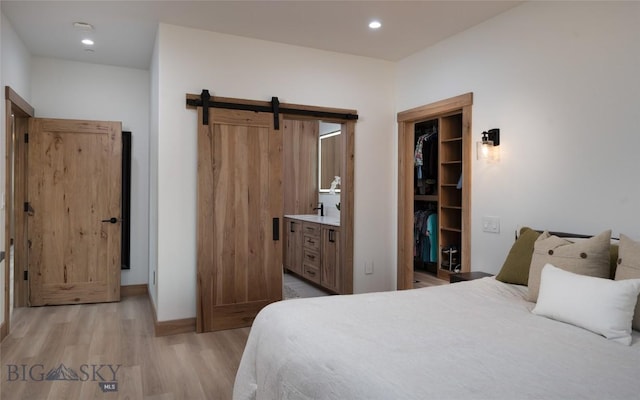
x=491, y=224
x=368, y=267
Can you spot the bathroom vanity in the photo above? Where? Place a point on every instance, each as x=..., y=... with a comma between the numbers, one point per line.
x=312, y=249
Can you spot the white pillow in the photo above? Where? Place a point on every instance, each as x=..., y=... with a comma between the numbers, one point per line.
x=600, y=305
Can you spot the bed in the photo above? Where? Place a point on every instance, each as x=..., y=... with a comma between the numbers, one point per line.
x=468, y=340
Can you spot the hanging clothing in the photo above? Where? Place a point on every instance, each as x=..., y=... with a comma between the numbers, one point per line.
x=432, y=233
x=426, y=159
x=425, y=229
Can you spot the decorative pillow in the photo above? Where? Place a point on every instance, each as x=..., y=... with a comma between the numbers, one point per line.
x=586, y=257
x=516, y=266
x=600, y=305
x=629, y=268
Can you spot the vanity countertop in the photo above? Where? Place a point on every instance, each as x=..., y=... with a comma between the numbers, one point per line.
x=327, y=220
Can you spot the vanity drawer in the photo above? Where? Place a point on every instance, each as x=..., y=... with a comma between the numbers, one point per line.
x=311, y=242
x=311, y=258
x=311, y=229
x=311, y=272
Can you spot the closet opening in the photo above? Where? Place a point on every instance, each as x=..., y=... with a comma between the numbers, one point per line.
x=434, y=192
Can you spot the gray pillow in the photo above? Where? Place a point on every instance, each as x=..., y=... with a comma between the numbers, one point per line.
x=586, y=257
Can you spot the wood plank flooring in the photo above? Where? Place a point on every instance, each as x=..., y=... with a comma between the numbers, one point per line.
x=425, y=279
x=85, y=337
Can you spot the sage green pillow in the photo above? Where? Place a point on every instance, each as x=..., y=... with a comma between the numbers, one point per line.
x=516, y=266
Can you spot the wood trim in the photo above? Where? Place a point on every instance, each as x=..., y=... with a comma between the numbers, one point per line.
x=6, y=319
x=4, y=331
x=133, y=290
x=14, y=104
x=172, y=327
x=405, y=205
x=21, y=104
x=406, y=125
x=346, y=206
x=436, y=109
x=467, y=151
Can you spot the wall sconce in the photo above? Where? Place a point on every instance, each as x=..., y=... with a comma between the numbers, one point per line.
x=488, y=148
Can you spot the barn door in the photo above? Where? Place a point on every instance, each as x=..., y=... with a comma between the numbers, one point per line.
x=239, y=217
x=74, y=190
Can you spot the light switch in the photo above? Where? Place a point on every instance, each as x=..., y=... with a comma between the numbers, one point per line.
x=491, y=224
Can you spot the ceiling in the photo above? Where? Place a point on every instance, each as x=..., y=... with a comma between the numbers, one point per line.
x=125, y=31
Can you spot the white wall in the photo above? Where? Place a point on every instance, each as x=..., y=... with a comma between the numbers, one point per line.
x=192, y=60
x=15, y=72
x=74, y=90
x=561, y=82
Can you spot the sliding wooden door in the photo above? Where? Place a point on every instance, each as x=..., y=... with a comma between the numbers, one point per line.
x=240, y=207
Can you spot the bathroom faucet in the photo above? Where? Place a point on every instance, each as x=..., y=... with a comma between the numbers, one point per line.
x=321, y=208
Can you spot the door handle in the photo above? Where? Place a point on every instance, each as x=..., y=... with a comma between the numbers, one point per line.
x=112, y=220
x=276, y=229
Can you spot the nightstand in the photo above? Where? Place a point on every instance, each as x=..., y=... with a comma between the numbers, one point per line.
x=467, y=276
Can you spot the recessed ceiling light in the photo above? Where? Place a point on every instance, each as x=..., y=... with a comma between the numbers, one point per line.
x=87, y=42
x=375, y=24
x=83, y=26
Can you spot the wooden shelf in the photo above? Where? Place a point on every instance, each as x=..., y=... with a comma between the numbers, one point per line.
x=450, y=229
x=455, y=139
x=456, y=162
x=451, y=207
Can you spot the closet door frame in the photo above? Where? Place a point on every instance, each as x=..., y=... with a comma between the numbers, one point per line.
x=406, y=127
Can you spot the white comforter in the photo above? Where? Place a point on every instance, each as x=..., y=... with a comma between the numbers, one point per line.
x=469, y=340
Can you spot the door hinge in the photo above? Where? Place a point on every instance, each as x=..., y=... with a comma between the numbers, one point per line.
x=26, y=275
x=26, y=137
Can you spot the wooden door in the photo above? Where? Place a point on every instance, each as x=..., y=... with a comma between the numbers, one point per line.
x=239, y=217
x=74, y=183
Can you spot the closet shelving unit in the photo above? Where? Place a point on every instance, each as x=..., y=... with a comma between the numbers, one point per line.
x=450, y=189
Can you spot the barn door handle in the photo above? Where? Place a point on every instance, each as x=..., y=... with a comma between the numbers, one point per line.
x=112, y=220
x=276, y=229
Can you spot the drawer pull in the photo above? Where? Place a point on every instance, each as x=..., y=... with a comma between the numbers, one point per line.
x=311, y=257
x=312, y=273
x=332, y=234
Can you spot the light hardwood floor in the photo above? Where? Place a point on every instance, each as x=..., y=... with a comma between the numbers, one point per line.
x=424, y=279
x=185, y=366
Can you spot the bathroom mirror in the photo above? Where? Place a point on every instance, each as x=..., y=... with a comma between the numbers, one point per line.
x=329, y=156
